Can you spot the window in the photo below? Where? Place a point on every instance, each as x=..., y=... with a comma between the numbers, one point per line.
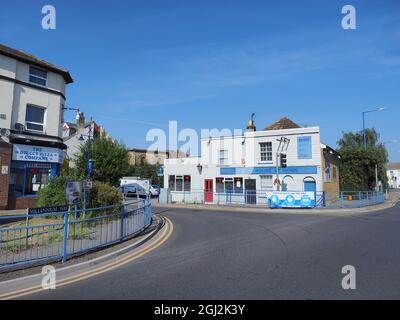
x=304, y=149
x=266, y=151
x=34, y=118
x=171, y=183
x=327, y=173
x=238, y=185
x=186, y=183
x=220, y=185
x=223, y=157
x=266, y=182
x=179, y=183
x=37, y=76
x=228, y=185
x=27, y=179
x=334, y=173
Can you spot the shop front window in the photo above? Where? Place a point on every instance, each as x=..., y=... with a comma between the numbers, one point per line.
x=27, y=178
x=238, y=185
x=220, y=185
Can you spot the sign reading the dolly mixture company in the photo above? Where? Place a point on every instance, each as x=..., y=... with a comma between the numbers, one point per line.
x=281, y=199
x=37, y=154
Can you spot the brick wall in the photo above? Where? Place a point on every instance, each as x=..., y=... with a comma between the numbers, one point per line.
x=22, y=203
x=5, y=161
x=331, y=188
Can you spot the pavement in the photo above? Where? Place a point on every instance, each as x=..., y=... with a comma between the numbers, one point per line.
x=18, y=286
x=392, y=200
x=247, y=255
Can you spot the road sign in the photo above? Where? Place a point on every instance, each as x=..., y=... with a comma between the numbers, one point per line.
x=43, y=210
x=73, y=192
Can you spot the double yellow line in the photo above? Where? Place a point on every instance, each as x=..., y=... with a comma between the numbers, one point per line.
x=166, y=233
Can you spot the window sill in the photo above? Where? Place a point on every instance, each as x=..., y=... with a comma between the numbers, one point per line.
x=266, y=162
x=27, y=196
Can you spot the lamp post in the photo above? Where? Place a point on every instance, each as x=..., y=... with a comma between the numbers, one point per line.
x=89, y=160
x=364, y=132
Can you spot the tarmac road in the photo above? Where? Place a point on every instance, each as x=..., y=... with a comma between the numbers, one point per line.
x=245, y=255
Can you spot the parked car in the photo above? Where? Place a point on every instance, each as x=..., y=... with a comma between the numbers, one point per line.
x=135, y=187
x=154, y=190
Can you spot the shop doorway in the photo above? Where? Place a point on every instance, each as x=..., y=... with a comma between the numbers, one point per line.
x=208, y=190
x=251, y=193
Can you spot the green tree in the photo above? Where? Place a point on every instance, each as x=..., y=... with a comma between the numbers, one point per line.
x=357, y=168
x=145, y=170
x=110, y=160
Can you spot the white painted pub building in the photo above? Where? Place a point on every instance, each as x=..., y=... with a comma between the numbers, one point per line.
x=244, y=168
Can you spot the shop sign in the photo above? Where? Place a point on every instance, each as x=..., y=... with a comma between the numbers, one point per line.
x=37, y=154
x=4, y=169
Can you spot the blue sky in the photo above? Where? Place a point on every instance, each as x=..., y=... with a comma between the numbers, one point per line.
x=210, y=64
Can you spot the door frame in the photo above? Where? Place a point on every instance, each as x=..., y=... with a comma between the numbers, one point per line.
x=208, y=191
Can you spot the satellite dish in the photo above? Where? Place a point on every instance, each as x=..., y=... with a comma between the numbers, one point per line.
x=19, y=127
x=4, y=132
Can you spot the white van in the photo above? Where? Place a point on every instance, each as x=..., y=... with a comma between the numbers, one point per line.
x=135, y=187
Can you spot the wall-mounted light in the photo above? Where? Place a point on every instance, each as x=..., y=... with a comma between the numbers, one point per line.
x=199, y=168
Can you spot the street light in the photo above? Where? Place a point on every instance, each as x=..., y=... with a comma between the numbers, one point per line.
x=89, y=161
x=364, y=133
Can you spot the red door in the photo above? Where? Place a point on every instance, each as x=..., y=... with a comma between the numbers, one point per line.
x=208, y=190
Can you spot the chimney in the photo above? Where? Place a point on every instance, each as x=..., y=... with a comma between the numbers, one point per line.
x=251, y=124
x=80, y=119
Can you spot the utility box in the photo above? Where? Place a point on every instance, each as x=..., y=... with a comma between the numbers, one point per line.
x=164, y=196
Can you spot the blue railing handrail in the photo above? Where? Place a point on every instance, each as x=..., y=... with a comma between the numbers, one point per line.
x=26, y=245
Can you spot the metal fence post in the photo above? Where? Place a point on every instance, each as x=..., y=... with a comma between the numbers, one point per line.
x=121, y=232
x=65, y=237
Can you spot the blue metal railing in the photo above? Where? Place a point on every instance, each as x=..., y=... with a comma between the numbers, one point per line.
x=245, y=198
x=359, y=199
x=69, y=233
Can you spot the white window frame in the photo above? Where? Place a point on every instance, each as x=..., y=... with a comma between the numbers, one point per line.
x=223, y=157
x=36, y=123
x=38, y=77
x=269, y=186
x=267, y=152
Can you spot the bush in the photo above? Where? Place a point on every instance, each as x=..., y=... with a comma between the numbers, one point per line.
x=54, y=193
x=103, y=195
x=100, y=196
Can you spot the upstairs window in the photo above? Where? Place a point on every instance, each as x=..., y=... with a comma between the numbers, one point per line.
x=37, y=76
x=34, y=118
x=266, y=152
x=223, y=157
x=304, y=149
x=327, y=172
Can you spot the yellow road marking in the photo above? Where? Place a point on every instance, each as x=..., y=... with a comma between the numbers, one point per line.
x=96, y=271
